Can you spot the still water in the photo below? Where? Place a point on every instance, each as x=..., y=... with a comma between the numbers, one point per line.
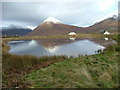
x=50, y=47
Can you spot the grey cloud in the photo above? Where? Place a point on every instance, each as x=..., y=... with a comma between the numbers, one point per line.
x=32, y=14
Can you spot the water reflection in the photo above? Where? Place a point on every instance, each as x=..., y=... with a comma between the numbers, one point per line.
x=51, y=47
x=106, y=38
x=72, y=38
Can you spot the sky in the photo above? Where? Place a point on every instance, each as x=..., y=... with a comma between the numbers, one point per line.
x=80, y=13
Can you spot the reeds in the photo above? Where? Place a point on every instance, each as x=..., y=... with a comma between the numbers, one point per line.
x=15, y=66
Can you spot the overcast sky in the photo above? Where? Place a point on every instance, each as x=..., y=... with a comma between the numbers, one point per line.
x=81, y=13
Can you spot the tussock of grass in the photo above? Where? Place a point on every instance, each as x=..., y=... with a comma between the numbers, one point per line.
x=19, y=62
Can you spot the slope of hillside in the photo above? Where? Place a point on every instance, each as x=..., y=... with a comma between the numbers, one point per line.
x=110, y=24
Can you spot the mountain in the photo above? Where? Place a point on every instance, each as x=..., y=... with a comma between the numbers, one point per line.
x=13, y=30
x=110, y=24
x=52, y=26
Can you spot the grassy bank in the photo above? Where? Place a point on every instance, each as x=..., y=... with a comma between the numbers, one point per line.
x=86, y=71
x=96, y=71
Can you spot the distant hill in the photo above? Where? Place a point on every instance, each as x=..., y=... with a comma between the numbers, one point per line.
x=13, y=30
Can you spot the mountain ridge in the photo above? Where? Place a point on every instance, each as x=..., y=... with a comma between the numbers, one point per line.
x=52, y=28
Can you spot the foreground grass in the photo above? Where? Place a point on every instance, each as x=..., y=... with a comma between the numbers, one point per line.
x=96, y=71
x=15, y=66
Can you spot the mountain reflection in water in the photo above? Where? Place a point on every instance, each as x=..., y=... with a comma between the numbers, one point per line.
x=50, y=47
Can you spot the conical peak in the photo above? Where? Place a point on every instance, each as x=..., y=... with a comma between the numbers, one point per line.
x=52, y=20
